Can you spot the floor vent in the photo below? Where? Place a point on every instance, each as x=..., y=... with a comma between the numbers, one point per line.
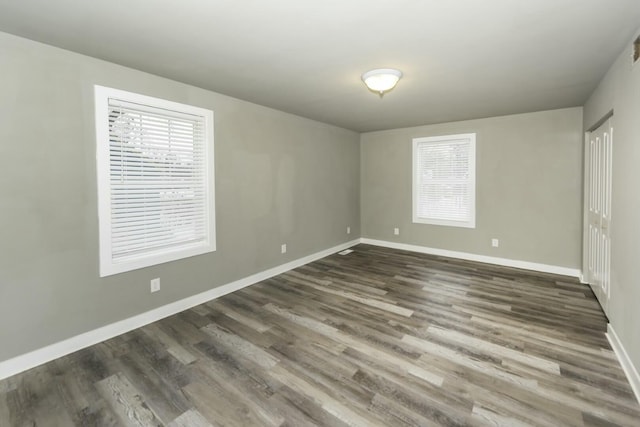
x=345, y=252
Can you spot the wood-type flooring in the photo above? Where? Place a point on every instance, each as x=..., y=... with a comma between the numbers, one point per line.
x=379, y=337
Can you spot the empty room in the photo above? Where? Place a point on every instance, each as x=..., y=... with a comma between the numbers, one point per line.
x=319, y=213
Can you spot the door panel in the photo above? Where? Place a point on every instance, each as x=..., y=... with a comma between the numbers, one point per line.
x=598, y=215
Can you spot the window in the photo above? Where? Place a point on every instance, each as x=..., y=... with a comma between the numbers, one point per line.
x=444, y=180
x=155, y=180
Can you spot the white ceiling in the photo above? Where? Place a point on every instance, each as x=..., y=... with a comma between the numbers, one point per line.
x=461, y=59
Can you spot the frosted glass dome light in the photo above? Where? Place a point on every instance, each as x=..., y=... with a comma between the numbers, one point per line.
x=381, y=80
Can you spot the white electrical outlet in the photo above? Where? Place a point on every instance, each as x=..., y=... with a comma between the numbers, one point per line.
x=283, y=248
x=396, y=231
x=348, y=230
x=495, y=243
x=155, y=284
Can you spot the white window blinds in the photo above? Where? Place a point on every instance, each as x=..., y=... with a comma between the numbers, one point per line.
x=444, y=180
x=155, y=181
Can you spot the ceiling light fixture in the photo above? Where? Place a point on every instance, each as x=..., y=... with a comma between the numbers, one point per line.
x=381, y=80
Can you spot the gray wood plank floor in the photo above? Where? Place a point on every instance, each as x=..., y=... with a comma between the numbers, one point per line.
x=378, y=337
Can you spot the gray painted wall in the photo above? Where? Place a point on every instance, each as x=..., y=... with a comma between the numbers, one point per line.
x=279, y=179
x=620, y=91
x=528, y=188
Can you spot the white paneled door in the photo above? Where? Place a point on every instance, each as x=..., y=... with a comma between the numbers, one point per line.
x=598, y=162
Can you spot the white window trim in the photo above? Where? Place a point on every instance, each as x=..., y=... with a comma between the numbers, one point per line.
x=107, y=265
x=471, y=137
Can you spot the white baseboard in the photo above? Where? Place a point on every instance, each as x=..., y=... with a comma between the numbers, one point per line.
x=627, y=365
x=545, y=268
x=35, y=358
